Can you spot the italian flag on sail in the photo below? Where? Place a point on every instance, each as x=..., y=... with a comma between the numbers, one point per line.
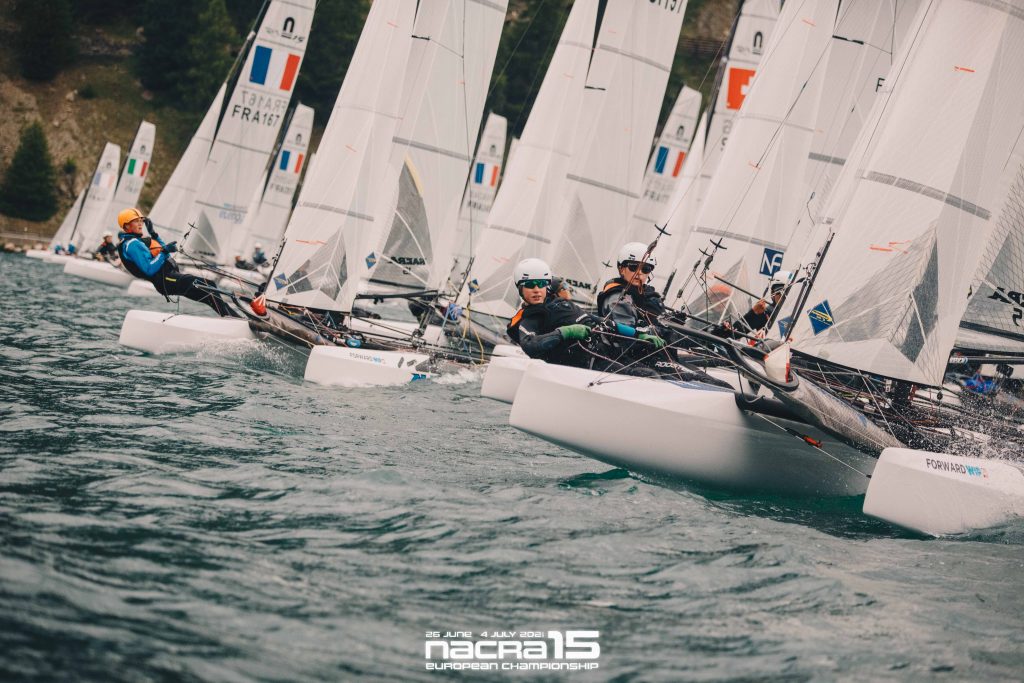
x=133, y=165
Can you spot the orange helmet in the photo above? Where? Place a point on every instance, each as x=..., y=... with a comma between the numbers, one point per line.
x=127, y=216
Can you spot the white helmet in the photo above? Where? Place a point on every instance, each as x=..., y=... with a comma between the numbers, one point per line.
x=634, y=251
x=257, y=246
x=108, y=234
x=531, y=269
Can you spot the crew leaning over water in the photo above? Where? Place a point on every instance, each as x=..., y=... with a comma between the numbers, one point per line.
x=548, y=326
x=107, y=251
x=628, y=299
x=148, y=258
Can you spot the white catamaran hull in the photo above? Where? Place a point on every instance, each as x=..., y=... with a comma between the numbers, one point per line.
x=56, y=259
x=98, y=271
x=683, y=430
x=940, y=494
x=336, y=365
x=159, y=333
x=40, y=254
x=142, y=288
x=503, y=375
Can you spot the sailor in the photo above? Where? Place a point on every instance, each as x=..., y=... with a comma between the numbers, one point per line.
x=258, y=256
x=628, y=299
x=107, y=251
x=58, y=249
x=755, y=321
x=547, y=326
x=242, y=264
x=560, y=288
x=148, y=258
x=72, y=249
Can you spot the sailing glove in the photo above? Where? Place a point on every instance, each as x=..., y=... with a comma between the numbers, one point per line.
x=574, y=332
x=658, y=342
x=171, y=247
x=149, y=227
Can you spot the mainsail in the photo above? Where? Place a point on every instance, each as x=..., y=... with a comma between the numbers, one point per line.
x=266, y=221
x=170, y=211
x=758, y=190
x=450, y=66
x=67, y=226
x=96, y=206
x=249, y=128
x=921, y=194
x=625, y=86
x=327, y=250
x=481, y=188
x=520, y=224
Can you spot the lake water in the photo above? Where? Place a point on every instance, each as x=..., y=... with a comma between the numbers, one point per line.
x=210, y=516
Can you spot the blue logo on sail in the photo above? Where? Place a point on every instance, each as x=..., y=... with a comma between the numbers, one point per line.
x=281, y=281
x=474, y=286
x=784, y=325
x=821, y=317
x=371, y=260
x=771, y=261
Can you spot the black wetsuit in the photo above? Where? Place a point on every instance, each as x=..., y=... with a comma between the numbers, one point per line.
x=535, y=329
x=108, y=250
x=632, y=306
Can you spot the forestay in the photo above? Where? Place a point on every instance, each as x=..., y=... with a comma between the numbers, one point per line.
x=98, y=196
x=928, y=180
x=759, y=188
x=265, y=223
x=249, y=128
x=450, y=65
x=170, y=211
x=521, y=221
x=481, y=188
x=328, y=240
x=625, y=86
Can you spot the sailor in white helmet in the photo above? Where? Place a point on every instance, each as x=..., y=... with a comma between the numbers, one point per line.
x=107, y=251
x=548, y=326
x=259, y=257
x=628, y=300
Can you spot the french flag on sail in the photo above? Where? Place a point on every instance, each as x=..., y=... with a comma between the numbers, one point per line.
x=661, y=161
x=486, y=174
x=285, y=163
x=274, y=67
x=101, y=179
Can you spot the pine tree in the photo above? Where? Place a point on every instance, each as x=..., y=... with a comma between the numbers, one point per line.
x=211, y=50
x=43, y=39
x=29, y=188
x=163, y=58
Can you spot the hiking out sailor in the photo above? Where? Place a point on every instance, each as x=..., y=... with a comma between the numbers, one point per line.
x=560, y=288
x=628, y=300
x=259, y=257
x=548, y=327
x=107, y=251
x=148, y=258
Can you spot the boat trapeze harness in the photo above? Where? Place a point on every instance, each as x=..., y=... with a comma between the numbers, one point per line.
x=168, y=268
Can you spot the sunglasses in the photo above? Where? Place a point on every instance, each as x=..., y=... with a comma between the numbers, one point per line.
x=534, y=284
x=647, y=268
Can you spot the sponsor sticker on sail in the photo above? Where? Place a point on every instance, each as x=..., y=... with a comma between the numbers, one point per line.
x=739, y=85
x=771, y=261
x=821, y=317
x=371, y=260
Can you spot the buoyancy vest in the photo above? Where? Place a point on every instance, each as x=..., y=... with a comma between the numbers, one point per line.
x=647, y=300
x=154, y=248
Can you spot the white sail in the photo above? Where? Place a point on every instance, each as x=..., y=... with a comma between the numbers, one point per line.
x=929, y=176
x=170, y=211
x=625, y=86
x=755, y=197
x=328, y=238
x=133, y=173
x=249, y=128
x=754, y=28
x=683, y=207
x=450, y=66
x=665, y=168
x=266, y=221
x=520, y=223
x=67, y=226
x=96, y=206
x=481, y=188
